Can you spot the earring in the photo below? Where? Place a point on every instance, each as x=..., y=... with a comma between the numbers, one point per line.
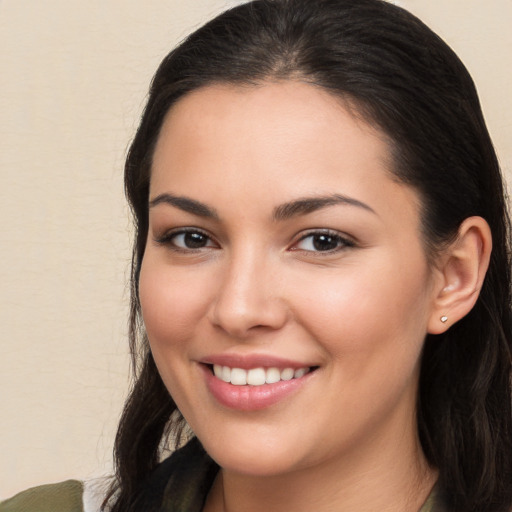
x=444, y=319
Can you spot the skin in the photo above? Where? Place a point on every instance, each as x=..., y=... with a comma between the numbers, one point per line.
x=347, y=438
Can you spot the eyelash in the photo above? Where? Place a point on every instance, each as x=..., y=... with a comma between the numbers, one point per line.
x=168, y=239
x=342, y=242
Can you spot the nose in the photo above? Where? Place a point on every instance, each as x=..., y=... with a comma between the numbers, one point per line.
x=249, y=297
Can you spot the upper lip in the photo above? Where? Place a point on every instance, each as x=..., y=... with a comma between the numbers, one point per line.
x=247, y=362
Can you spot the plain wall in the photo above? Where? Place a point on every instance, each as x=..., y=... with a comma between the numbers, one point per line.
x=73, y=78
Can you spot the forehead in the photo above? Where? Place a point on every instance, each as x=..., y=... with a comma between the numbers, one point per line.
x=269, y=126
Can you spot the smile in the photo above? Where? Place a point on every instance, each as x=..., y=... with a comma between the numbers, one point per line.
x=247, y=389
x=257, y=376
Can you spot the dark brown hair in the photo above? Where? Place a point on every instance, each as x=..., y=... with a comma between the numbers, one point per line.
x=405, y=80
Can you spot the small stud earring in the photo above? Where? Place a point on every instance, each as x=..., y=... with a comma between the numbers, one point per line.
x=444, y=319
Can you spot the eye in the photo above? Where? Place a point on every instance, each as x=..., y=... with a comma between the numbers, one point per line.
x=187, y=240
x=323, y=241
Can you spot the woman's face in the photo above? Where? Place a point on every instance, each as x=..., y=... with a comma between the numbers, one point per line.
x=280, y=245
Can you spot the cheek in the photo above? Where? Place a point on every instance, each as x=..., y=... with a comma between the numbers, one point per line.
x=379, y=309
x=172, y=303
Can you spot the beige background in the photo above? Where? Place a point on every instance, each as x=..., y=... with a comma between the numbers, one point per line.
x=73, y=77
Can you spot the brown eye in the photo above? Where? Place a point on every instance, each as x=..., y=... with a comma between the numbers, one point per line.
x=323, y=242
x=192, y=240
x=187, y=240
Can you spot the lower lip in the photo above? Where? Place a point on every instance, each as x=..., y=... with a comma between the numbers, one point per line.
x=251, y=398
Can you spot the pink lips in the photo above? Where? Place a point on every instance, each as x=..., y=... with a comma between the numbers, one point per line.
x=247, y=397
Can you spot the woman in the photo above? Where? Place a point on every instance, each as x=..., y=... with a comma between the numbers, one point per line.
x=316, y=198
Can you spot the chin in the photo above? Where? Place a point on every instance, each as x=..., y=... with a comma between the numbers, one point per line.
x=250, y=457
x=255, y=464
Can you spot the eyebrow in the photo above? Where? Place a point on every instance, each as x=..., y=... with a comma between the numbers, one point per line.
x=307, y=205
x=186, y=204
x=283, y=212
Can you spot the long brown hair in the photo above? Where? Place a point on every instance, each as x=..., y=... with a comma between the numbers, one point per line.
x=404, y=79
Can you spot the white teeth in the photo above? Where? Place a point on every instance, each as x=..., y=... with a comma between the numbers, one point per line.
x=300, y=373
x=226, y=374
x=287, y=374
x=222, y=372
x=256, y=376
x=272, y=375
x=238, y=377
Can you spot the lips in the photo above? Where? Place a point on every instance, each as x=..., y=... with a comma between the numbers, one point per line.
x=253, y=383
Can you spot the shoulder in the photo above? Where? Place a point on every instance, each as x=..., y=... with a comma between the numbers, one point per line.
x=62, y=497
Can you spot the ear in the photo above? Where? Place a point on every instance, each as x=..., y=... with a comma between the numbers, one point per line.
x=459, y=274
